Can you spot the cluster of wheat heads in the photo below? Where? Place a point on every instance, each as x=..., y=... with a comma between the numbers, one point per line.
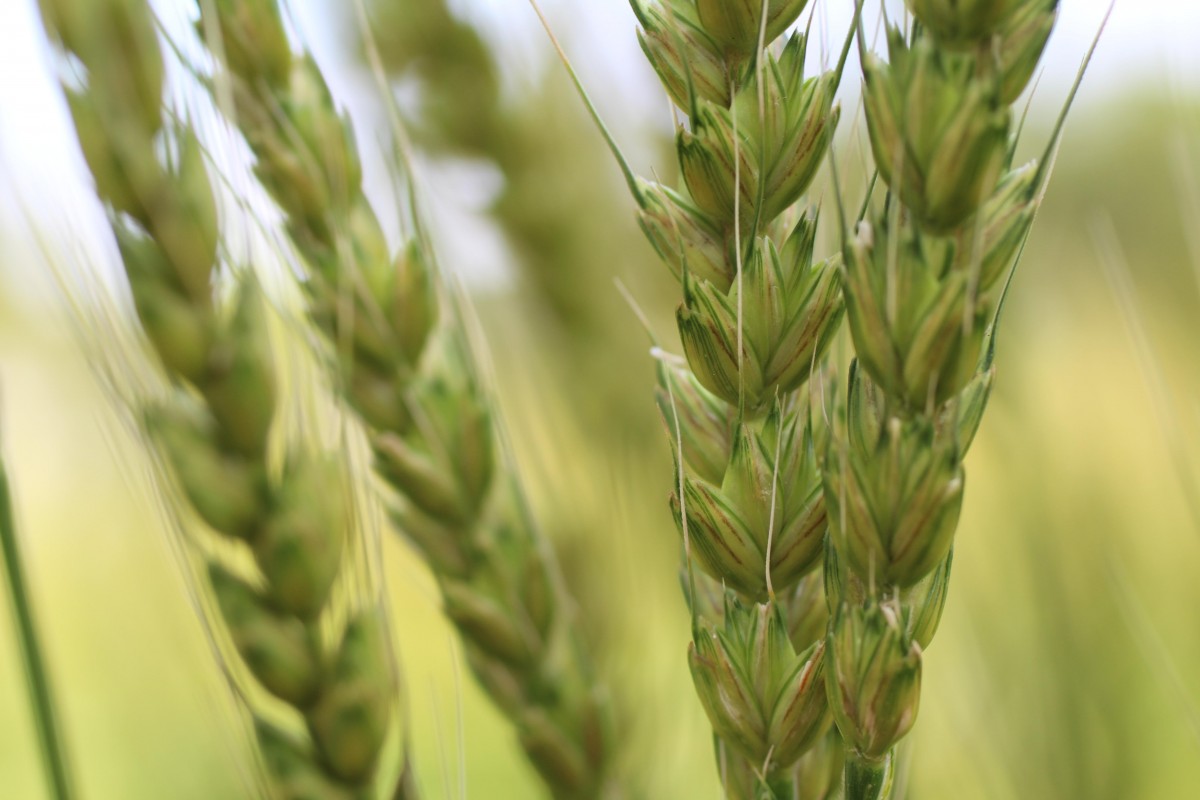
x=817, y=526
x=818, y=543
x=279, y=540
x=414, y=386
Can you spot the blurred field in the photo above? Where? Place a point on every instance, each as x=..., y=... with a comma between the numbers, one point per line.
x=1068, y=661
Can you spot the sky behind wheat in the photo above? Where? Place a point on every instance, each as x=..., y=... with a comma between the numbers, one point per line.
x=1149, y=42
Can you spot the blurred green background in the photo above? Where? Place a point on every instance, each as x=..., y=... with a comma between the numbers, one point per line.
x=1068, y=662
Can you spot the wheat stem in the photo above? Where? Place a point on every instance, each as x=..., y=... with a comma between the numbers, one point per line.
x=45, y=717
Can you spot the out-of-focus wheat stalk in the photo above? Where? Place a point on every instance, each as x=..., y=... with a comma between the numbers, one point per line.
x=426, y=414
x=279, y=550
x=37, y=673
x=1140, y=624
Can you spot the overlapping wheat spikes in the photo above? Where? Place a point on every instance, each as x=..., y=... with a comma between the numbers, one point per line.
x=817, y=525
x=414, y=386
x=288, y=594
x=764, y=487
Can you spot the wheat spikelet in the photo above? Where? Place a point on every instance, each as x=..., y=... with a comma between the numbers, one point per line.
x=426, y=415
x=287, y=523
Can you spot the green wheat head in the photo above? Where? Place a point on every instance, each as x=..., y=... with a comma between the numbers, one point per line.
x=816, y=514
x=414, y=385
x=921, y=281
x=759, y=312
x=279, y=538
x=766, y=490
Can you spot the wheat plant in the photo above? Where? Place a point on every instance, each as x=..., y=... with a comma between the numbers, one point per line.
x=922, y=284
x=281, y=565
x=766, y=490
x=759, y=312
x=816, y=515
x=415, y=387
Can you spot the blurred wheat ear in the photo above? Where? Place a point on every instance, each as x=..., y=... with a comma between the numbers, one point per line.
x=415, y=387
x=303, y=631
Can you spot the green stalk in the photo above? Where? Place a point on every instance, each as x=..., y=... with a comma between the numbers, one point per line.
x=53, y=751
x=870, y=779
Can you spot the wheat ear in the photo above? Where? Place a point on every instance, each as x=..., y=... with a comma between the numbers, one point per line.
x=922, y=285
x=757, y=317
x=330, y=665
x=426, y=415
